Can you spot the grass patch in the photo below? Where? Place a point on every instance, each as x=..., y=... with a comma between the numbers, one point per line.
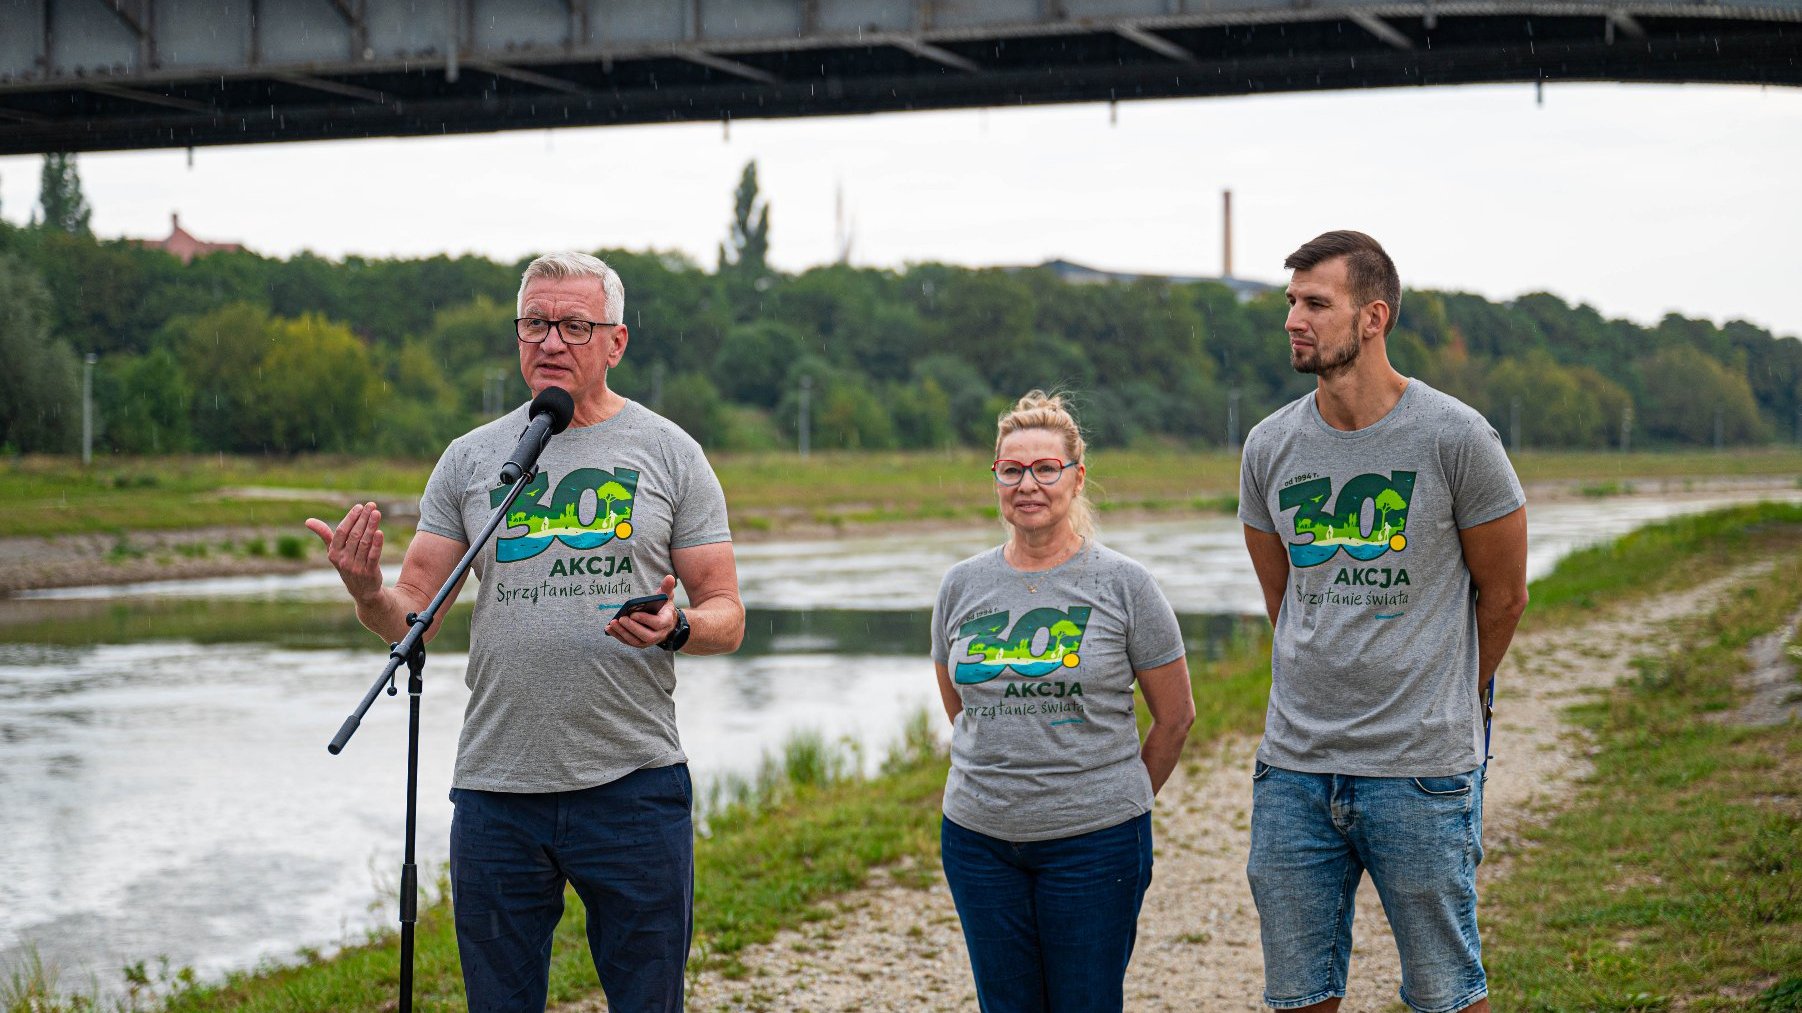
x=1602, y=490
x=1675, y=881
x=767, y=866
x=1232, y=689
x=1602, y=468
x=44, y=496
x=35, y=987
x=1783, y=997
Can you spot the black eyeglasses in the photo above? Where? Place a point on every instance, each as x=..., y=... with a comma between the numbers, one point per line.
x=533, y=330
x=1045, y=470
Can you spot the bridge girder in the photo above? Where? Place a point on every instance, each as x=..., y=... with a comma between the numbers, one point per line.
x=83, y=75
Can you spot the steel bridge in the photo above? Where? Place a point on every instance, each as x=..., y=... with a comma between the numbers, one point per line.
x=86, y=75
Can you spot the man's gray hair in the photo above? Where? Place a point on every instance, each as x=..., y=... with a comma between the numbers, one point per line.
x=570, y=264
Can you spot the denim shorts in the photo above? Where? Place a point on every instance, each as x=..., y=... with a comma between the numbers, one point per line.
x=1312, y=838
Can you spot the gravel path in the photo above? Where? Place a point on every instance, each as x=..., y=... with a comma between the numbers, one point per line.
x=895, y=947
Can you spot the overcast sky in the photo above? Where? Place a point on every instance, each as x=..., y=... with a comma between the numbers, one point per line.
x=1635, y=199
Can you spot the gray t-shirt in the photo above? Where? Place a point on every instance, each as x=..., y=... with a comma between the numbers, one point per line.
x=555, y=705
x=1047, y=745
x=1374, y=670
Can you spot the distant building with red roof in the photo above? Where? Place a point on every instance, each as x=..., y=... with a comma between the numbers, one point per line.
x=182, y=244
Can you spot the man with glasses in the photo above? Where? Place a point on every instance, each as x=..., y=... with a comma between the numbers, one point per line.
x=569, y=767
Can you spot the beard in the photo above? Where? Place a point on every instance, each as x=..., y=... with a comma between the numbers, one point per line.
x=1329, y=362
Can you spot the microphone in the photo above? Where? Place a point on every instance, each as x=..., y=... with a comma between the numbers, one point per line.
x=551, y=412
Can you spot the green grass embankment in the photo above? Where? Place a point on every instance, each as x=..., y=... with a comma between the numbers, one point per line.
x=765, y=492
x=43, y=496
x=1674, y=879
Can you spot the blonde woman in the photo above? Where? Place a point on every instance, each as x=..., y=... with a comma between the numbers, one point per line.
x=1038, y=643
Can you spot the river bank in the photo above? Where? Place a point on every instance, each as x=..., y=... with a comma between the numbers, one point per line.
x=39, y=562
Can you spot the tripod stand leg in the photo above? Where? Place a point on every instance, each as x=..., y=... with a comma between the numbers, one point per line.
x=409, y=870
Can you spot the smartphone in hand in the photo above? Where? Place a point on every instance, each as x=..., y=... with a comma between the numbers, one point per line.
x=646, y=603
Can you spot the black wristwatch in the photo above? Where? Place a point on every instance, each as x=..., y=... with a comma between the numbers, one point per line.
x=677, y=636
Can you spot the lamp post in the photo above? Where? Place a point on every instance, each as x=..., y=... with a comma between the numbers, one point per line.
x=87, y=408
x=804, y=423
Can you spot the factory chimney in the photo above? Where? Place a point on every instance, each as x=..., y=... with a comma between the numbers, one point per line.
x=1226, y=243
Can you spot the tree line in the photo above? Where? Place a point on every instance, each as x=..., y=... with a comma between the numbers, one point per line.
x=242, y=353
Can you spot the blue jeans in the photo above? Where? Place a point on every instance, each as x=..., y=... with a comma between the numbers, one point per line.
x=1050, y=924
x=1312, y=838
x=628, y=849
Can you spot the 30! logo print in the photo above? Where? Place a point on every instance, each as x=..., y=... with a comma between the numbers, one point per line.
x=603, y=497
x=1045, y=640
x=1323, y=532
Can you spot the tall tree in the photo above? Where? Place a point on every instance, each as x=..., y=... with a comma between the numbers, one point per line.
x=747, y=245
x=59, y=194
x=744, y=267
x=1690, y=397
x=315, y=388
x=143, y=403
x=40, y=394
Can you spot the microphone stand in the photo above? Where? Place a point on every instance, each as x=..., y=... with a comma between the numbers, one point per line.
x=411, y=652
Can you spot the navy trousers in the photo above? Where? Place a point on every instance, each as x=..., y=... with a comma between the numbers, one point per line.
x=628, y=849
x=1050, y=924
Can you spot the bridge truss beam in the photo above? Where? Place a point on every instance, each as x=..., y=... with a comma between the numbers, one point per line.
x=84, y=75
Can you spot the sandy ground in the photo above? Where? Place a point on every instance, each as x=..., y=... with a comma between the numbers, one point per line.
x=1772, y=697
x=894, y=947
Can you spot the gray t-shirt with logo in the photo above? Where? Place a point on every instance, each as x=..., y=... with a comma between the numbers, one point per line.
x=555, y=705
x=1374, y=669
x=1047, y=745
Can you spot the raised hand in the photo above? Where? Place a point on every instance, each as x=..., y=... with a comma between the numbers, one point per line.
x=355, y=550
x=645, y=629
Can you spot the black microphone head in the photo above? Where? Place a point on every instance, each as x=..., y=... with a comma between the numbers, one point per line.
x=555, y=402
